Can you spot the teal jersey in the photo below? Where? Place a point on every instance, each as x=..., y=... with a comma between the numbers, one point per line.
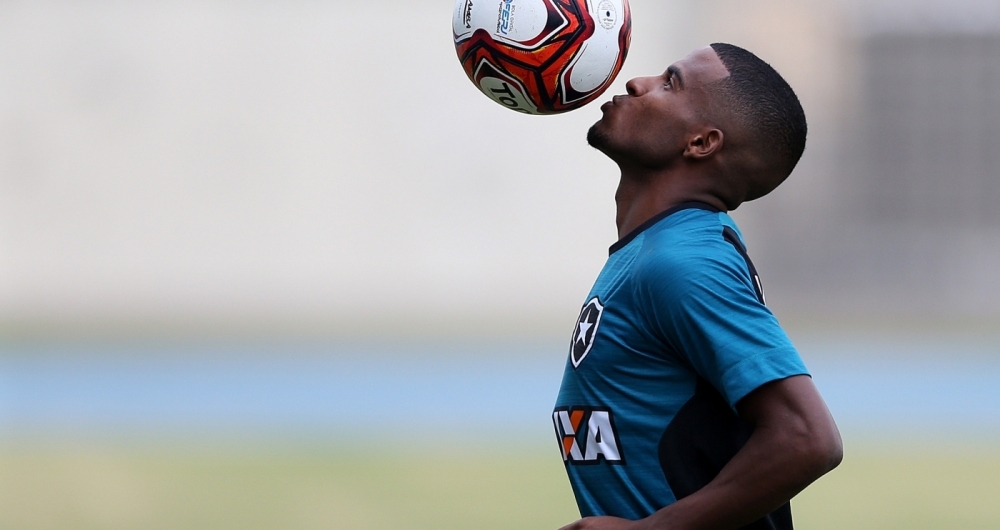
x=673, y=334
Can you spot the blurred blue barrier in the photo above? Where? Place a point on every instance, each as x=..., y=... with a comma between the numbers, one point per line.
x=470, y=389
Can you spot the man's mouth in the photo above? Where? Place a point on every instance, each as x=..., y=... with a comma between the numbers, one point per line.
x=613, y=101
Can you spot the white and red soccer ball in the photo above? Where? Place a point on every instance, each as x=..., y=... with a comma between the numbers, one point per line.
x=542, y=56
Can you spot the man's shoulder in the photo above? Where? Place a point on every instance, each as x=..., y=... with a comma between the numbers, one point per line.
x=685, y=241
x=690, y=251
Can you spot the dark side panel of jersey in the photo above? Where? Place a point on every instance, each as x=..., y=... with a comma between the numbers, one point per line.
x=703, y=436
x=673, y=334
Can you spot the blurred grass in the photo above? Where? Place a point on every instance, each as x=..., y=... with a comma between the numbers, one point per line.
x=111, y=487
x=120, y=486
x=913, y=488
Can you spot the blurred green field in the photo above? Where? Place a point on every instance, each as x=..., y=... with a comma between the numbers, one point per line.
x=123, y=486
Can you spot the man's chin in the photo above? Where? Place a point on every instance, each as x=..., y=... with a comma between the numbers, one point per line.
x=597, y=138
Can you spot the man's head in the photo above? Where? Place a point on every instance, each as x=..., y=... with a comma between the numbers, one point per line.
x=724, y=119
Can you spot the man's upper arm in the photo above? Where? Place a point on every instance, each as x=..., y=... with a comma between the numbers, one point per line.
x=794, y=408
x=705, y=310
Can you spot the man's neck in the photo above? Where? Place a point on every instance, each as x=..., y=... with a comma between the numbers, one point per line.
x=640, y=199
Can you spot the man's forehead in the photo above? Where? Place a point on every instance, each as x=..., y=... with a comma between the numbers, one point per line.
x=701, y=67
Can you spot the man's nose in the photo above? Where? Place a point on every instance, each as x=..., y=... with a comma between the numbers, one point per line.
x=637, y=86
x=632, y=86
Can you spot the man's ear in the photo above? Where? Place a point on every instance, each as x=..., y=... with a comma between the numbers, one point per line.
x=704, y=144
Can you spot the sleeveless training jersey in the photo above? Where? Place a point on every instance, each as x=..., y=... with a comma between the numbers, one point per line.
x=673, y=334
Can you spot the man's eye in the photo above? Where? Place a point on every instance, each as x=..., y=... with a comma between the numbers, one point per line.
x=670, y=82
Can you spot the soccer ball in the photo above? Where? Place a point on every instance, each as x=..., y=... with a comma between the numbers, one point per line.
x=542, y=56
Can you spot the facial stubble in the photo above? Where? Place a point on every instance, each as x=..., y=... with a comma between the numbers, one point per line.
x=597, y=138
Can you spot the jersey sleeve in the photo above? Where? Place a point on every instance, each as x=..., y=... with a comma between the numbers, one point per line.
x=705, y=310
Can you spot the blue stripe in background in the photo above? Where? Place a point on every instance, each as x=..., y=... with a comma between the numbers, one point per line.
x=873, y=386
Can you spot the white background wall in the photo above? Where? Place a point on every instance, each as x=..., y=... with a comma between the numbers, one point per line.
x=284, y=161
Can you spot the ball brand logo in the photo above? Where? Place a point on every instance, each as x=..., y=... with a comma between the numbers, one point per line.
x=587, y=435
x=505, y=96
x=606, y=14
x=505, y=20
x=585, y=331
x=503, y=88
x=467, y=14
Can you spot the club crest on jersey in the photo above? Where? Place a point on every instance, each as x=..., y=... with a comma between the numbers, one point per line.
x=585, y=331
x=587, y=435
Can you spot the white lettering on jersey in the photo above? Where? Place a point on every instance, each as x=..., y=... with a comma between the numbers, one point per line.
x=595, y=428
x=602, y=441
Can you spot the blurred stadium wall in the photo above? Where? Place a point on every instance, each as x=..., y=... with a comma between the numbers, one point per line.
x=304, y=168
x=892, y=216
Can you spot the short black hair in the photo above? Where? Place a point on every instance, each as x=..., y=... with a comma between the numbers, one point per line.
x=768, y=109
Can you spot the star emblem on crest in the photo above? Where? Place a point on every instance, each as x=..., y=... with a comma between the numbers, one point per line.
x=585, y=331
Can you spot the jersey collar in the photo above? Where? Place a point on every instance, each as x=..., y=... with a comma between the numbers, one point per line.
x=657, y=218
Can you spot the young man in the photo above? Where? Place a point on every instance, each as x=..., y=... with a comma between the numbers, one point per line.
x=684, y=405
